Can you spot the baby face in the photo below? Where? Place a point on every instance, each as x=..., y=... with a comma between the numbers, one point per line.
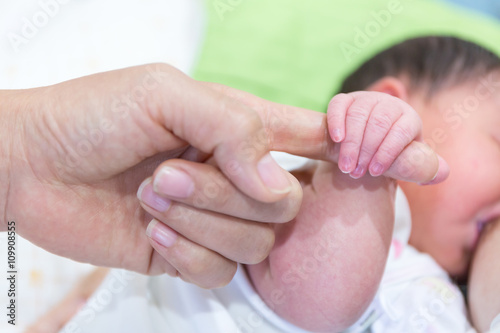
x=463, y=125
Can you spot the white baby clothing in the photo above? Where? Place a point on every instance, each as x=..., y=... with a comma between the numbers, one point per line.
x=415, y=295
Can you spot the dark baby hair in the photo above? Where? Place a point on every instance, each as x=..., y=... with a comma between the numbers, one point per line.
x=430, y=63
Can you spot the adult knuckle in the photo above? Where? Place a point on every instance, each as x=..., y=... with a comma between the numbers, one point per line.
x=284, y=210
x=196, y=264
x=289, y=207
x=260, y=245
x=246, y=123
x=223, y=277
x=223, y=89
x=214, y=190
x=209, y=270
x=170, y=271
x=249, y=131
x=236, y=117
x=218, y=279
x=175, y=213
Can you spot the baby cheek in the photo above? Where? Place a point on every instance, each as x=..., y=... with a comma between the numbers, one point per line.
x=436, y=238
x=451, y=254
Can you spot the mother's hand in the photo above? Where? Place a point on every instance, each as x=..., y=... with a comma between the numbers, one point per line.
x=73, y=156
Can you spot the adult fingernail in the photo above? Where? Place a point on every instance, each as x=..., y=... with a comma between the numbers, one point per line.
x=273, y=176
x=376, y=169
x=150, y=198
x=160, y=233
x=173, y=183
x=442, y=173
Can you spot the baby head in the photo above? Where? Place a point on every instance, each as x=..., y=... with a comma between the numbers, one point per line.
x=454, y=85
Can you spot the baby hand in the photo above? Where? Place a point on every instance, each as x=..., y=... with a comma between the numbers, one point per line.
x=373, y=129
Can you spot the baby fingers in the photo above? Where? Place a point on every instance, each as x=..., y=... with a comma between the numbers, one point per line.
x=373, y=129
x=405, y=130
x=380, y=123
x=356, y=118
x=337, y=110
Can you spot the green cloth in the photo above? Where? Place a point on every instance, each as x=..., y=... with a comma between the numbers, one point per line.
x=297, y=52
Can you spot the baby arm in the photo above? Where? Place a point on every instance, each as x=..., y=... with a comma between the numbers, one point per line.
x=327, y=263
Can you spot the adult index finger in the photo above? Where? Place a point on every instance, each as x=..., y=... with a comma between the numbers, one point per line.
x=224, y=127
x=305, y=133
x=289, y=129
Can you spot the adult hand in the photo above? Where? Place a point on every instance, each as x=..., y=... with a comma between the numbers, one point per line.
x=81, y=148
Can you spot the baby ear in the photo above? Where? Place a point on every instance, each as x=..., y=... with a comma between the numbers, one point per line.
x=392, y=86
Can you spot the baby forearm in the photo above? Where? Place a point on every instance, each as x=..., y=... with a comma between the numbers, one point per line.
x=327, y=263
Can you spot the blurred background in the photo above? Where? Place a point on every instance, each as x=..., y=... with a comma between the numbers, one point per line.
x=488, y=7
x=289, y=51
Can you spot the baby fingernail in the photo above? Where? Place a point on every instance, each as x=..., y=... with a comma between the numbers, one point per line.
x=150, y=198
x=336, y=135
x=173, y=183
x=376, y=169
x=346, y=164
x=160, y=233
x=358, y=172
x=272, y=175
